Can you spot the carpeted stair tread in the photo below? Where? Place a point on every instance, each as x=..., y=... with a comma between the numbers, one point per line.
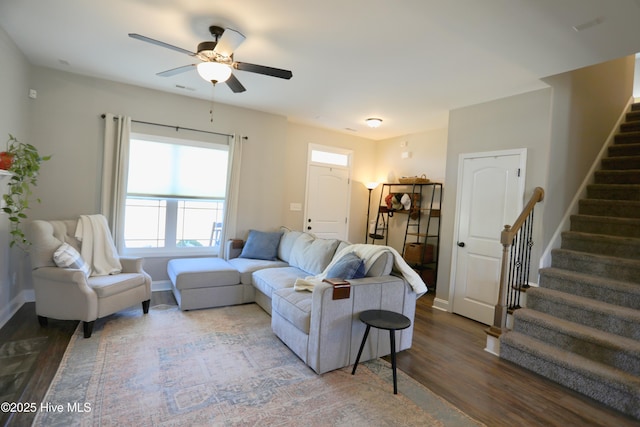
x=617, y=246
x=618, y=352
x=610, y=318
x=624, y=294
x=627, y=176
x=613, y=208
x=599, y=265
x=630, y=149
x=614, y=191
x=621, y=162
x=581, y=326
x=603, y=383
x=627, y=138
x=612, y=226
x=632, y=116
x=632, y=125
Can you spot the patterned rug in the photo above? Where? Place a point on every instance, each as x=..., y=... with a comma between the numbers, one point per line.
x=222, y=366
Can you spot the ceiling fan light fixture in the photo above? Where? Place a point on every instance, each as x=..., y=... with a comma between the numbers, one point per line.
x=214, y=71
x=373, y=122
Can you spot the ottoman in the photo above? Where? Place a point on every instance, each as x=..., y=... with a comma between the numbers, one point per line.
x=207, y=282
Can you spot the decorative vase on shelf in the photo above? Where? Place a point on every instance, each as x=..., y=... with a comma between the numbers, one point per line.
x=6, y=160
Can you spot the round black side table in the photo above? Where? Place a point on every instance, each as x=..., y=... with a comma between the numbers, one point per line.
x=388, y=320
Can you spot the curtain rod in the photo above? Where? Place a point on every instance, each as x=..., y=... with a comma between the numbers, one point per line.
x=177, y=128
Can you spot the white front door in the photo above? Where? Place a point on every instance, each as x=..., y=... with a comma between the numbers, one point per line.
x=327, y=202
x=490, y=190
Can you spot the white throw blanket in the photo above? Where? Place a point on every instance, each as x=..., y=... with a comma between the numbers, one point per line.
x=97, y=248
x=369, y=253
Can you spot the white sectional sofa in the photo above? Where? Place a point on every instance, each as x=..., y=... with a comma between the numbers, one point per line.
x=324, y=332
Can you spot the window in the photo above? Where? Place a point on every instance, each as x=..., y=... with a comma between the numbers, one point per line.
x=175, y=195
x=336, y=157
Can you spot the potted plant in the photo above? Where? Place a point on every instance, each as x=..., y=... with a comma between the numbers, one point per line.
x=23, y=161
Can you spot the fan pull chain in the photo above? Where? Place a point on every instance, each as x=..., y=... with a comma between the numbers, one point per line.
x=212, y=93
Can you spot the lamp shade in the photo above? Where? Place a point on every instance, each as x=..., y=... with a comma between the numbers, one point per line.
x=371, y=185
x=214, y=71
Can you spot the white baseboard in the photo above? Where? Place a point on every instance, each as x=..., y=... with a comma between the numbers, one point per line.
x=441, y=304
x=493, y=345
x=161, y=285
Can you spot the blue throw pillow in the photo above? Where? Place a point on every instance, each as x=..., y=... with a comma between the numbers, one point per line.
x=261, y=245
x=350, y=266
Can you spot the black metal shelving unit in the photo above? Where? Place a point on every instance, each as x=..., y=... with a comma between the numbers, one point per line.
x=422, y=225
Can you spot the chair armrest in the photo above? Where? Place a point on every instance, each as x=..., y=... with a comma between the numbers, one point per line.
x=63, y=293
x=131, y=265
x=63, y=275
x=233, y=248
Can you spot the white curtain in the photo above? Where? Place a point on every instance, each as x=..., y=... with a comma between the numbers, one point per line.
x=229, y=227
x=115, y=165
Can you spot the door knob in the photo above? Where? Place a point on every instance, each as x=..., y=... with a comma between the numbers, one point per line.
x=461, y=244
x=309, y=228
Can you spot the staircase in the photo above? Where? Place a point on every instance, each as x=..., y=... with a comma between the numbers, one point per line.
x=581, y=327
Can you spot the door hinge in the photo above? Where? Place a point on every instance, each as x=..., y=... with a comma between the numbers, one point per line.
x=518, y=172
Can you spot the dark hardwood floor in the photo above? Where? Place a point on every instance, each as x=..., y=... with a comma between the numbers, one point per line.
x=447, y=356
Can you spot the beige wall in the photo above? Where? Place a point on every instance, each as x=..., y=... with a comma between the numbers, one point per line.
x=520, y=121
x=563, y=128
x=585, y=104
x=298, y=139
x=14, y=113
x=427, y=156
x=66, y=123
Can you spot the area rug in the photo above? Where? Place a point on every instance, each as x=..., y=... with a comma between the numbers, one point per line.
x=224, y=367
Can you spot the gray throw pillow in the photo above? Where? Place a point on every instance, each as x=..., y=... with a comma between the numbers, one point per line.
x=66, y=256
x=350, y=266
x=261, y=245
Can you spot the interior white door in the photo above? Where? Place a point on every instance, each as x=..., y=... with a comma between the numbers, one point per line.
x=327, y=202
x=491, y=193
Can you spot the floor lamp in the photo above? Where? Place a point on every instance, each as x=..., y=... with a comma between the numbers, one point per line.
x=370, y=186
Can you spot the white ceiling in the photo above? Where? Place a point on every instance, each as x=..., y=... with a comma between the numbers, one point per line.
x=406, y=61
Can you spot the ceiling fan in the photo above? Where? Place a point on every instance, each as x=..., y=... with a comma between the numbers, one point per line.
x=217, y=59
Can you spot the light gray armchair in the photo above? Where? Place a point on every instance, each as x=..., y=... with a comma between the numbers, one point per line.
x=67, y=293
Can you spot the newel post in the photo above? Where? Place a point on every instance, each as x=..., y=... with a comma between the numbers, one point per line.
x=500, y=312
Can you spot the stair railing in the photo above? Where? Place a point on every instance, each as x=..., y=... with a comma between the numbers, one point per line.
x=516, y=243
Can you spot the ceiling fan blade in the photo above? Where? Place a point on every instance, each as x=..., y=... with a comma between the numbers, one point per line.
x=262, y=69
x=234, y=84
x=228, y=42
x=174, y=71
x=162, y=44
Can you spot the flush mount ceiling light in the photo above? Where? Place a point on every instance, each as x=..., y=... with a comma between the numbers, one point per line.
x=214, y=72
x=373, y=122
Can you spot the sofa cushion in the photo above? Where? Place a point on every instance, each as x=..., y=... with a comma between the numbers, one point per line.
x=350, y=266
x=293, y=306
x=66, y=256
x=271, y=279
x=312, y=255
x=191, y=273
x=246, y=267
x=261, y=245
x=286, y=244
